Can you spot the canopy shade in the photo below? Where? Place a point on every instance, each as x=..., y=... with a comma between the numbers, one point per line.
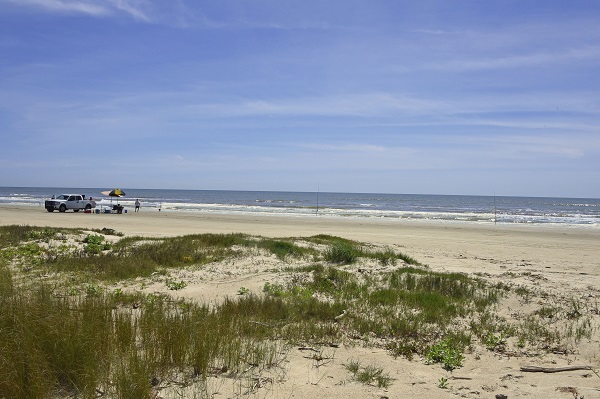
x=117, y=192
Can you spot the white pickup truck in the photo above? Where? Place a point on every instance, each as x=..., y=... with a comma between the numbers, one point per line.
x=75, y=202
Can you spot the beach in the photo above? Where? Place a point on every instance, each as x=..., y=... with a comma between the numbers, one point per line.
x=562, y=261
x=560, y=251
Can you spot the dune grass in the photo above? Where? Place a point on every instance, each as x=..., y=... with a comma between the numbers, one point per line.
x=96, y=342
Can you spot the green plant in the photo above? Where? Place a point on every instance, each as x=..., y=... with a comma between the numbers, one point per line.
x=281, y=249
x=495, y=342
x=342, y=253
x=370, y=375
x=175, y=285
x=108, y=232
x=93, y=239
x=273, y=289
x=93, y=290
x=574, y=311
x=353, y=366
x=443, y=383
x=446, y=352
x=95, y=244
x=243, y=291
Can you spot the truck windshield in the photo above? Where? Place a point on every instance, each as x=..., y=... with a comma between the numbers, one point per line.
x=62, y=197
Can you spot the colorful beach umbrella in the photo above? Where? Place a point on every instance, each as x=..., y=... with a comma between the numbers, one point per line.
x=116, y=192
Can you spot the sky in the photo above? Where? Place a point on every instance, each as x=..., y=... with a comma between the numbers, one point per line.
x=388, y=96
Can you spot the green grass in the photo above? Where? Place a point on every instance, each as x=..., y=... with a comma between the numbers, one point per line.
x=343, y=251
x=59, y=340
x=75, y=345
x=369, y=375
x=140, y=257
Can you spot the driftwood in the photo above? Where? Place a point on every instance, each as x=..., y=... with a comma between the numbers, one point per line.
x=538, y=369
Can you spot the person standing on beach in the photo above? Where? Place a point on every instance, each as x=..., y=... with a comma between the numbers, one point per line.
x=137, y=205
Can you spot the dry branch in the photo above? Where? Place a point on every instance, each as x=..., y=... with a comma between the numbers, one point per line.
x=539, y=369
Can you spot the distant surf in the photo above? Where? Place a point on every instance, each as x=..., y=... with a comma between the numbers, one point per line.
x=465, y=208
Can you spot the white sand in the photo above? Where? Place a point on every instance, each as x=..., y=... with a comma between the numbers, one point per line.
x=563, y=261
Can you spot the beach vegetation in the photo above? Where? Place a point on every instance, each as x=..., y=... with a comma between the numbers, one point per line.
x=12, y=235
x=443, y=383
x=495, y=342
x=79, y=337
x=369, y=375
x=243, y=291
x=448, y=352
x=342, y=253
x=95, y=244
x=108, y=232
x=283, y=249
x=547, y=312
x=272, y=289
x=174, y=285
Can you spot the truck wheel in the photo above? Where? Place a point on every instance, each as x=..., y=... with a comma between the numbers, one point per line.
x=50, y=209
x=88, y=207
x=62, y=208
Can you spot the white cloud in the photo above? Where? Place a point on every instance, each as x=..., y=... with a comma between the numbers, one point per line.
x=67, y=6
x=348, y=147
x=131, y=7
x=99, y=8
x=359, y=105
x=515, y=61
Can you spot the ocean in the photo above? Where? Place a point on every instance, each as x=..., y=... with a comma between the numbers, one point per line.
x=582, y=212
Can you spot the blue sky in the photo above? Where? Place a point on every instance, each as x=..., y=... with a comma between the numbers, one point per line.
x=440, y=97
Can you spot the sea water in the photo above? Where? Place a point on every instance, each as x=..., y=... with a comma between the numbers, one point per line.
x=466, y=208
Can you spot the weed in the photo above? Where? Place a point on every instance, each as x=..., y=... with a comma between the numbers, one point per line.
x=353, y=366
x=276, y=290
x=342, y=253
x=370, y=375
x=495, y=342
x=93, y=290
x=108, y=232
x=175, y=285
x=579, y=329
x=282, y=249
x=547, y=312
x=243, y=291
x=94, y=244
x=93, y=239
x=447, y=353
x=574, y=311
x=443, y=383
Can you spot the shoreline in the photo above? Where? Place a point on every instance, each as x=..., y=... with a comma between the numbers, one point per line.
x=572, y=212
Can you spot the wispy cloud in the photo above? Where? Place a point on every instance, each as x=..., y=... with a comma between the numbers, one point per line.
x=67, y=6
x=346, y=147
x=515, y=61
x=101, y=8
x=359, y=105
x=131, y=7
